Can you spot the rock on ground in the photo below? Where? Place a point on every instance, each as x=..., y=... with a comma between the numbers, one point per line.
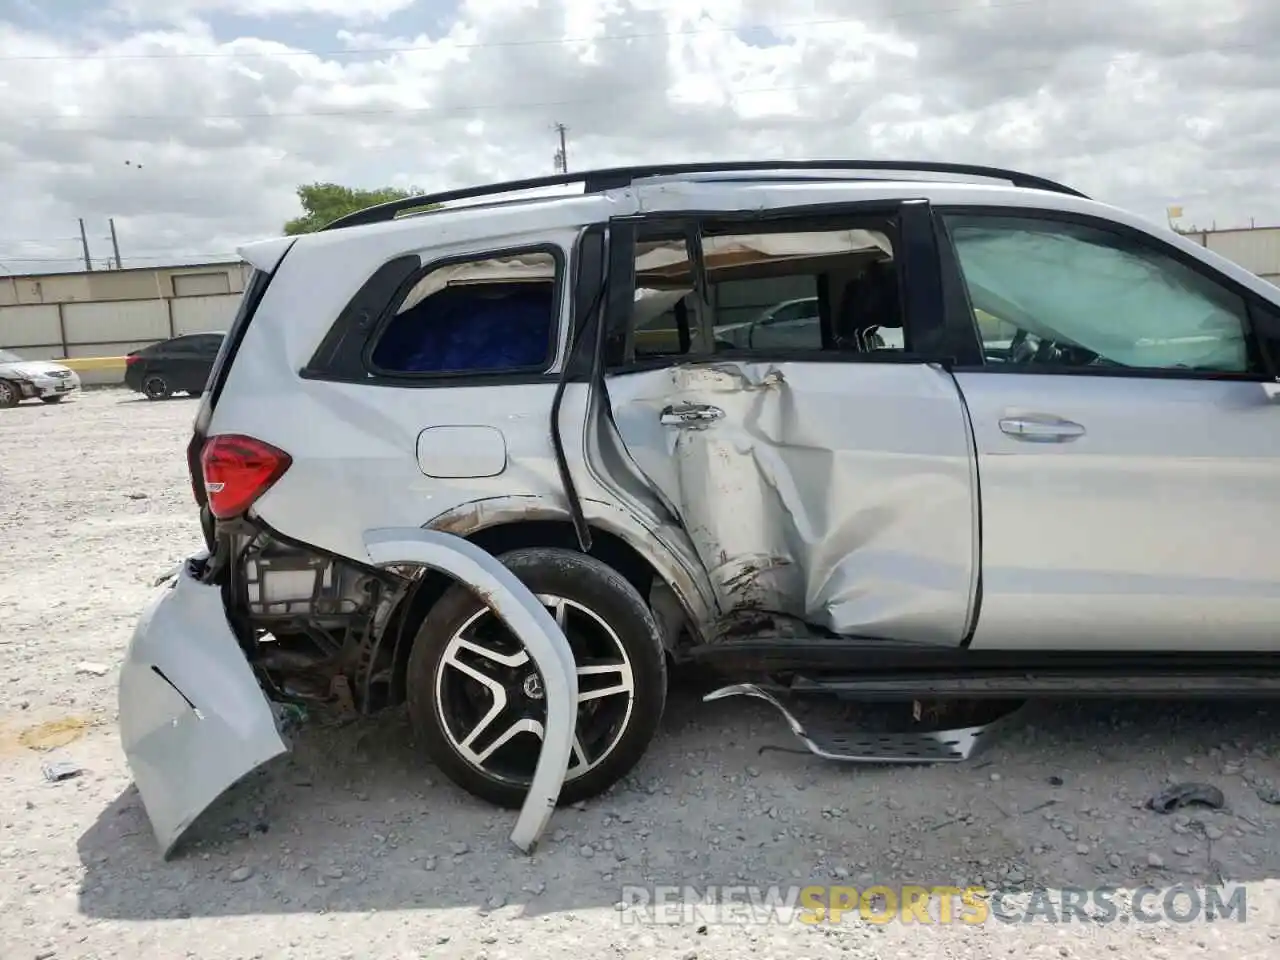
x=344, y=850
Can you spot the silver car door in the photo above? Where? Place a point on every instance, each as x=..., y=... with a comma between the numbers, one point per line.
x=833, y=488
x=1128, y=446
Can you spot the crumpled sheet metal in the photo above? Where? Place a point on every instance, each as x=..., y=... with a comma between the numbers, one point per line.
x=854, y=746
x=194, y=719
x=839, y=493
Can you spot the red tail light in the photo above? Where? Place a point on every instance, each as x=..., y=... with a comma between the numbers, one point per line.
x=237, y=471
x=131, y=359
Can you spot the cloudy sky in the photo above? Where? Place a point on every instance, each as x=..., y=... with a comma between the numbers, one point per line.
x=192, y=122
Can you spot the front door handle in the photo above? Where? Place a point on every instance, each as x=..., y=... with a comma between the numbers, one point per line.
x=1036, y=428
x=689, y=414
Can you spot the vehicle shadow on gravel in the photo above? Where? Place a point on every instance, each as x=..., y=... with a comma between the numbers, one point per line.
x=354, y=821
x=139, y=398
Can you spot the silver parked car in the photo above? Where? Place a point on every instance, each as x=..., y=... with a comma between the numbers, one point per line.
x=22, y=379
x=791, y=325
x=1028, y=444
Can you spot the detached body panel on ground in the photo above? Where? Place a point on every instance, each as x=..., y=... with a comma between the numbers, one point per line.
x=843, y=436
x=193, y=719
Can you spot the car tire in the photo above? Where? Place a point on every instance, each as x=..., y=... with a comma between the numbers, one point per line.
x=599, y=608
x=155, y=387
x=55, y=399
x=10, y=395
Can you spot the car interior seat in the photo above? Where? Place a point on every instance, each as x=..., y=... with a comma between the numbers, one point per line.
x=870, y=302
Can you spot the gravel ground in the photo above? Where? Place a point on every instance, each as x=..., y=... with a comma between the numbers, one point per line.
x=351, y=848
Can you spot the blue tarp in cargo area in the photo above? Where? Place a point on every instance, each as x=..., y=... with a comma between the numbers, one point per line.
x=471, y=327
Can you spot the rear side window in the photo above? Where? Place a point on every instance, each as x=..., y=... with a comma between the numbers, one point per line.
x=492, y=315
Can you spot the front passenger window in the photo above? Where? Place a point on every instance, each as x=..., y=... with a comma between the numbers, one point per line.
x=1062, y=294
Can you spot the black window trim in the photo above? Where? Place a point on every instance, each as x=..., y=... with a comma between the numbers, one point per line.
x=915, y=244
x=659, y=227
x=543, y=371
x=953, y=275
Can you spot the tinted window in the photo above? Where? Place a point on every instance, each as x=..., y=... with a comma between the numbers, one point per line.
x=478, y=316
x=1052, y=293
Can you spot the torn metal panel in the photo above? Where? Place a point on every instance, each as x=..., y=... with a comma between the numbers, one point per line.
x=529, y=620
x=193, y=719
x=645, y=526
x=929, y=746
x=837, y=493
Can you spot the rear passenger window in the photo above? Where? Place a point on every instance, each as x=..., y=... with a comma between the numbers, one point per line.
x=480, y=316
x=767, y=293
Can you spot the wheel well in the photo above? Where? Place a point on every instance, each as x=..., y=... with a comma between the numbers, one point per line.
x=499, y=539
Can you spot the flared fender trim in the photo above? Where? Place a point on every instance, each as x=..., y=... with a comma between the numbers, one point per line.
x=520, y=610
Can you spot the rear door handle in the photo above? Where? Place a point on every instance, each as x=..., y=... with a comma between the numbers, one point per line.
x=689, y=414
x=1036, y=428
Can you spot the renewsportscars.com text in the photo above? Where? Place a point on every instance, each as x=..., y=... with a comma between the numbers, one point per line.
x=943, y=905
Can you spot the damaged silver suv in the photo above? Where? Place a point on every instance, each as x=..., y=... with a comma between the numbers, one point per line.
x=1029, y=444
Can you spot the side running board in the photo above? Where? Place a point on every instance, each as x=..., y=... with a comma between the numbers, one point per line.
x=1048, y=683
x=940, y=746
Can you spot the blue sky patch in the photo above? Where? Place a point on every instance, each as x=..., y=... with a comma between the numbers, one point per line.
x=757, y=36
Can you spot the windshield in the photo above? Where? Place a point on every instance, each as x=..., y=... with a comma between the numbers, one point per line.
x=8, y=357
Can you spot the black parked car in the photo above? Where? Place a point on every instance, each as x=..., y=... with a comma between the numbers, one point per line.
x=180, y=365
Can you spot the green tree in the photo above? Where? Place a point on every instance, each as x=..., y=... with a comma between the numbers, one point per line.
x=322, y=203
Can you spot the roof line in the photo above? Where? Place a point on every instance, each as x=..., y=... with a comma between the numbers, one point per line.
x=616, y=178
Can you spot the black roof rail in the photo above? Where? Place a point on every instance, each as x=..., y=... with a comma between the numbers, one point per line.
x=615, y=178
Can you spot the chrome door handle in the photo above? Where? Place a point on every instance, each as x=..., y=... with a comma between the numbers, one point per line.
x=1041, y=429
x=686, y=414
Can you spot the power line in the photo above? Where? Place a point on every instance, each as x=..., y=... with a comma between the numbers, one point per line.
x=528, y=105
x=34, y=240
x=46, y=242
x=13, y=240
x=920, y=12
x=129, y=259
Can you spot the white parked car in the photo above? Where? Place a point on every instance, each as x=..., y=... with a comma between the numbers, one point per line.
x=30, y=379
x=1031, y=446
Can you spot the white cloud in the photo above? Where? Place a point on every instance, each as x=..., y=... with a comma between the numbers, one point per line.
x=178, y=10
x=194, y=142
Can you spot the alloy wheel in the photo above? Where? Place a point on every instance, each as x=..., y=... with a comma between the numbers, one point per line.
x=490, y=700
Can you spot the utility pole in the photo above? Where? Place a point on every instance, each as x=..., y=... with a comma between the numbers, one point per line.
x=562, y=155
x=115, y=244
x=84, y=242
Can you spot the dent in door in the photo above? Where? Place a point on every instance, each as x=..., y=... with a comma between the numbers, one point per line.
x=838, y=494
